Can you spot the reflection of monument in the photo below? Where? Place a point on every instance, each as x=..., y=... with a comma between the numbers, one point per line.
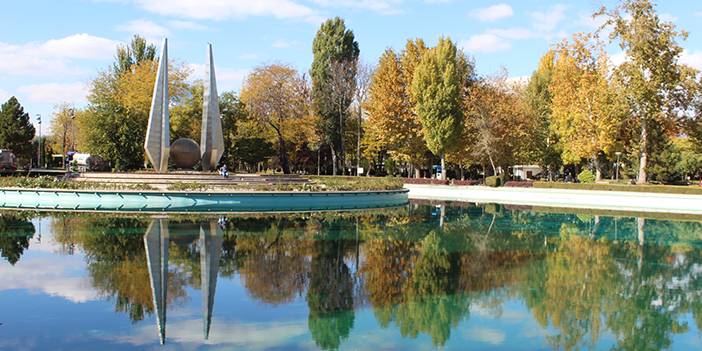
x=158, y=136
x=211, y=138
x=210, y=243
x=156, y=245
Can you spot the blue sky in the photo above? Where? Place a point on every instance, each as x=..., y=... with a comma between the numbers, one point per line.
x=50, y=50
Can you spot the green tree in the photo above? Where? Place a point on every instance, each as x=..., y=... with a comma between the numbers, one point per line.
x=538, y=98
x=651, y=76
x=17, y=130
x=437, y=87
x=137, y=51
x=333, y=74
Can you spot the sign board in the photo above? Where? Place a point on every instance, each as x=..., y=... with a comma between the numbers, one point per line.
x=359, y=170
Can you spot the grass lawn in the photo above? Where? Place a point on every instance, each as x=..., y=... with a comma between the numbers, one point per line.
x=316, y=183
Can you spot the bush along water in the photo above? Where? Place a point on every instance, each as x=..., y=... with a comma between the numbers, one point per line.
x=586, y=176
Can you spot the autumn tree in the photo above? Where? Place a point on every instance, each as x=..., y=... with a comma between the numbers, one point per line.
x=587, y=109
x=64, y=128
x=275, y=95
x=539, y=99
x=651, y=77
x=497, y=125
x=364, y=76
x=17, y=130
x=333, y=75
x=437, y=88
x=119, y=102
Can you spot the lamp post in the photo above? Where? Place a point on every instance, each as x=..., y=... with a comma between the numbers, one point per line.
x=618, y=156
x=73, y=129
x=39, y=142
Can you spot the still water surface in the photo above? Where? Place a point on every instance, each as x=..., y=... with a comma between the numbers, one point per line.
x=455, y=277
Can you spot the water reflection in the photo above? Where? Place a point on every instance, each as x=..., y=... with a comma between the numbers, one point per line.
x=431, y=276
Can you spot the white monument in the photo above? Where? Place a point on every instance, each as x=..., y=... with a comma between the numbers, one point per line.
x=211, y=137
x=158, y=135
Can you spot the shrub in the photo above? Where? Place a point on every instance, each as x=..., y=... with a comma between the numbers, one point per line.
x=493, y=181
x=586, y=176
x=465, y=182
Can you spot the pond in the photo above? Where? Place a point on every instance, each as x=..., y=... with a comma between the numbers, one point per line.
x=453, y=276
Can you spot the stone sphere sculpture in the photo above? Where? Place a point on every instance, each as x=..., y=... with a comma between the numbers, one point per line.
x=185, y=153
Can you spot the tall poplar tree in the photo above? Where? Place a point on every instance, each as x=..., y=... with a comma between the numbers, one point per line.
x=651, y=76
x=437, y=88
x=17, y=130
x=538, y=97
x=587, y=110
x=334, y=47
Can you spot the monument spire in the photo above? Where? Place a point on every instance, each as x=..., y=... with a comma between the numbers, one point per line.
x=158, y=137
x=211, y=138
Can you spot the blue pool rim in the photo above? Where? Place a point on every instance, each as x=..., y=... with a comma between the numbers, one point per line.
x=196, y=202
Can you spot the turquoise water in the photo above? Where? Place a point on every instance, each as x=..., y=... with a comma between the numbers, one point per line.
x=423, y=276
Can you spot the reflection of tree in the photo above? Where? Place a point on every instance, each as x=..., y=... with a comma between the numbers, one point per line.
x=580, y=281
x=114, y=251
x=330, y=293
x=15, y=233
x=432, y=304
x=273, y=265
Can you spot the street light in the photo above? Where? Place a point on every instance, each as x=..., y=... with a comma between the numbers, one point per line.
x=73, y=129
x=618, y=155
x=39, y=143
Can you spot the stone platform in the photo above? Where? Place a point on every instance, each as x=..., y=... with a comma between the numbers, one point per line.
x=163, y=180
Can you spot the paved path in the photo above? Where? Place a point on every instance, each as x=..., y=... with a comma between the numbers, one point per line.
x=594, y=199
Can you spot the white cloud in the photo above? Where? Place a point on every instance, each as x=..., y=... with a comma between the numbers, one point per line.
x=223, y=335
x=187, y=25
x=486, y=335
x=492, y=13
x=221, y=10
x=150, y=30
x=486, y=43
x=617, y=59
x=50, y=276
x=692, y=59
x=54, y=93
x=513, y=33
x=380, y=6
x=54, y=57
x=547, y=21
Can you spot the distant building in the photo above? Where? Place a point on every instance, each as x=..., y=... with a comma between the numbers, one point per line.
x=526, y=171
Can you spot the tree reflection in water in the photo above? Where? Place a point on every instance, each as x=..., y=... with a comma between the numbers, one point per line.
x=15, y=232
x=580, y=276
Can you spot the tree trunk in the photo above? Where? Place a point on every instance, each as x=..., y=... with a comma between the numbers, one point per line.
x=417, y=172
x=643, y=160
x=443, y=167
x=492, y=163
x=318, y=158
x=333, y=152
x=358, y=141
x=283, y=155
x=598, y=169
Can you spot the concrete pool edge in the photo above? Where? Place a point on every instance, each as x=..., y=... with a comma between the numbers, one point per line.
x=562, y=198
x=148, y=201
